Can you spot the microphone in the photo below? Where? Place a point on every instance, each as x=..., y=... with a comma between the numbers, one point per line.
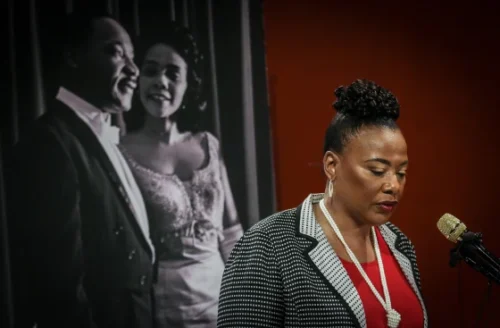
x=469, y=248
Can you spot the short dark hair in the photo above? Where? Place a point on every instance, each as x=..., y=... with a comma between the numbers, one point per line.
x=79, y=26
x=363, y=103
x=75, y=31
x=180, y=38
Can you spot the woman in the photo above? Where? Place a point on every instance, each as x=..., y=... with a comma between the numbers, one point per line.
x=335, y=260
x=182, y=176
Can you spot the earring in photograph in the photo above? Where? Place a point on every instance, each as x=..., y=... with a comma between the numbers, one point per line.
x=330, y=188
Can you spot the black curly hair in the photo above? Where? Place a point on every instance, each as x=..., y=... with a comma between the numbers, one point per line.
x=363, y=103
x=189, y=116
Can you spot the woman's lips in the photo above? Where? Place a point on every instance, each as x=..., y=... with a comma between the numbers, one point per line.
x=164, y=95
x=387, y=206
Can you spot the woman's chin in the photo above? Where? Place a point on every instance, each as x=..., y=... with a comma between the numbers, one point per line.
x=382, y=219
x=377, y=219
x=160, y=112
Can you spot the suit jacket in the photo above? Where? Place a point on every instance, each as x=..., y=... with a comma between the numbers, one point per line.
x=284, y=273
x=79, y=257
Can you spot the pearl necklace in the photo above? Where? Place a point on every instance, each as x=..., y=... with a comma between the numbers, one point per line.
x=393, y=317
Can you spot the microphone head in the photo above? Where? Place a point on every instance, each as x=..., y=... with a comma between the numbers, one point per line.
x=451, y=227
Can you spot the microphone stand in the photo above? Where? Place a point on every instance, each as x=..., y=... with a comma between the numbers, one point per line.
x=471, y=250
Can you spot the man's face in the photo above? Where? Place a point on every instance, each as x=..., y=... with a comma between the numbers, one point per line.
x=106, y=68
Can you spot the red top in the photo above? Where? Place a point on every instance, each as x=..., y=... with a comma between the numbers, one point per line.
x=403, y=299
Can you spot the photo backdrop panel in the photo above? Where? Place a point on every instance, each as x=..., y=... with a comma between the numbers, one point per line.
x=236, y=111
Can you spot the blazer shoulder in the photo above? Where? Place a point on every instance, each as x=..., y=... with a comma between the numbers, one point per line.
x=262, y=240
x=276, y=222
x=44, y=131
x=44, y=140
x=62, y=124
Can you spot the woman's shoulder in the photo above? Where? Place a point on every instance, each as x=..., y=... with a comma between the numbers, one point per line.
x=209, y=143
x=206, y=137
x=276, y=225
x=263, y=238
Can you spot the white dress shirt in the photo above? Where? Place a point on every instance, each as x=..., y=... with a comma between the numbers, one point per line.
x=109, y=136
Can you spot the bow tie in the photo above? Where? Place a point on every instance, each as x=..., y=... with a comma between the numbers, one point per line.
x=111, y=133
x=106, y=131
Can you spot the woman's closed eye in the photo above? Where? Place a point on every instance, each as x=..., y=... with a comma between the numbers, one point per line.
x=172, y=75
x=154, y=70
x=382, y=172
x=401, y=174
x=150, y=70
x=378, y=172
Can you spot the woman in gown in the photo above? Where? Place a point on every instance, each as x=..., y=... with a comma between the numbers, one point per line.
x=182, y=176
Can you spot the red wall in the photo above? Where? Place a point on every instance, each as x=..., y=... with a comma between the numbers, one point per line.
x=443, y=65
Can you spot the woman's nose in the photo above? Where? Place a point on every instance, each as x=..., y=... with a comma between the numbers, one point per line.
x=161, y=81
x=392, y=185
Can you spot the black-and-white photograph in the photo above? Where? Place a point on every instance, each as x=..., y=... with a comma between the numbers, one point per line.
x=136, y=151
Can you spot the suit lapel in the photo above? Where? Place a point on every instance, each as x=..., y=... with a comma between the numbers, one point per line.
x=326, y=261
x=88, y=138
x=404, y=263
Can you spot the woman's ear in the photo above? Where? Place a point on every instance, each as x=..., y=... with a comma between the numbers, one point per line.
x=330, y=164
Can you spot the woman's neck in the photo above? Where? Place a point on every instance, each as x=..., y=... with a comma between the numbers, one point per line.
x=356, y=235
x=163, y=129
x=350, y=227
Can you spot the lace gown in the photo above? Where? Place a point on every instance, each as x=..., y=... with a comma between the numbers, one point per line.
x=186, y=227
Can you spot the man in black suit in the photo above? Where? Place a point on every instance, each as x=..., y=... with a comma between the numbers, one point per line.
x=81, y=253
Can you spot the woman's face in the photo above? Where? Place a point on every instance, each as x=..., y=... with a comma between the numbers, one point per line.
x=370, y=174
x=163, y=81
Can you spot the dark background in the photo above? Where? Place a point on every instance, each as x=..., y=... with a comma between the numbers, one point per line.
x=231, y=36
x=442, y=61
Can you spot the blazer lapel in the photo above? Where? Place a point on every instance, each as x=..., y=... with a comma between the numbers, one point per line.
x=326, y=260
x=88, y=138
x=404, y=263
x=328, y=264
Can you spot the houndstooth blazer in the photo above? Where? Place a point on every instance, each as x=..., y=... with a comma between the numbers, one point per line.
x=284, y=273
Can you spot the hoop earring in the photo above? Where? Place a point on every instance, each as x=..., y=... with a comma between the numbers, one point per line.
x=330, y=188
